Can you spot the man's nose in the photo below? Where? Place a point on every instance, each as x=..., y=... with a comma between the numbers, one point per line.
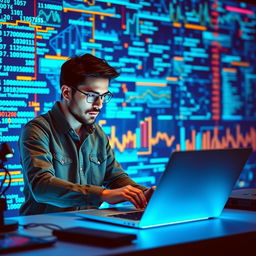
x=99, y=102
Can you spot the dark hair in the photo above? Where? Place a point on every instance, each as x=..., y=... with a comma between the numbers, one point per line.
x=76, y=69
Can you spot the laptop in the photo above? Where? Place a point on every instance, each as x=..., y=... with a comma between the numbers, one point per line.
x=195, y=185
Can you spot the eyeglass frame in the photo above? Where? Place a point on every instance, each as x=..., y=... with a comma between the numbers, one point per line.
x=98, y=95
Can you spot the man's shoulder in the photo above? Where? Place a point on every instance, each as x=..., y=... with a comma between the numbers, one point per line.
x=98, y=131
x=39, y=121
x=38, y=127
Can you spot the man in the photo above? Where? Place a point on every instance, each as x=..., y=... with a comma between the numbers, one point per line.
x=67, y=161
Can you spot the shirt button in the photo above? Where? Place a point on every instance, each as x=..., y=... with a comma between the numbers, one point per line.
x=81, y=169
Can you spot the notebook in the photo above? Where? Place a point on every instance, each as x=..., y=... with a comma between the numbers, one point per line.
x=195, y=185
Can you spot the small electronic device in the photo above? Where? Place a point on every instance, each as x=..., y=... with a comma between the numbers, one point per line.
x=15, y=242
x=244, y=199
x=94, y=236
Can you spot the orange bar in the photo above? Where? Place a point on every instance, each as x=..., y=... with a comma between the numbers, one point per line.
x=216, y=104
x=11, y=172
x=178, y=58
x=172, y=78
x=27, y=78
x=58, y=57
x=215, y=56
x=177, y=25
x=178, y=147
x=146, y=139
x=240, y=63
x=215, y=117
x=14, y=180
x=231, y=70
x=196, y=27
x=151, y=84
x=85, y=11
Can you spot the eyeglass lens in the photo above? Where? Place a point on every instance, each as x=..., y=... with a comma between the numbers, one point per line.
x=91, y=97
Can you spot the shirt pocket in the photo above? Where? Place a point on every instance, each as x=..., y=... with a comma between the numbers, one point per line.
x=97, y=159
x=62, y=159
x=97, y=168
x=64, y=167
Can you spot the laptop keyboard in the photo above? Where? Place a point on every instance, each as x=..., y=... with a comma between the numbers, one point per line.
x=129, y=215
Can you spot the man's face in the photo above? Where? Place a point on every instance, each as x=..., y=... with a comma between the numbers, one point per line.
x=80, y=108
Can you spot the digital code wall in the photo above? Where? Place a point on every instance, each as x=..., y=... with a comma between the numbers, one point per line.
x=188, y=76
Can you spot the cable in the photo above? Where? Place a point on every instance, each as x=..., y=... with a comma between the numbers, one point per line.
x=3, y=180
x=2, y=183
x=44, y=225
x=7, y=173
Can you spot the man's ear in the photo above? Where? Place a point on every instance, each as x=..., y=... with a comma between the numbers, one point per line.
x=66, y=92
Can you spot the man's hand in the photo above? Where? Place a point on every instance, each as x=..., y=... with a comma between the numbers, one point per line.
x=126, y=193
x=148, y=193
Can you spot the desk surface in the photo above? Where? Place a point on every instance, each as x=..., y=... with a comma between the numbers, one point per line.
x=231, y=223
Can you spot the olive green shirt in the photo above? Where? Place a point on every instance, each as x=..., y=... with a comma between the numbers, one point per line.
x=61, y=173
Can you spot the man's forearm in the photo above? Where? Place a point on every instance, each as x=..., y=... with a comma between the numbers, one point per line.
x=51, y=190
x=124, y=180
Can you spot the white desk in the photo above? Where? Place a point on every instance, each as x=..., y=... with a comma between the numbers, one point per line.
x=229, y=232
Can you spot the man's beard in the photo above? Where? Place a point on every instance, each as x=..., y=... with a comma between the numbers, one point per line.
x=83, y=121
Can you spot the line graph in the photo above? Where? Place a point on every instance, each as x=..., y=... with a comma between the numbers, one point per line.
x=143, y=139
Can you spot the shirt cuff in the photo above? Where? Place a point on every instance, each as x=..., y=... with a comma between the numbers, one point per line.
x=94, y=193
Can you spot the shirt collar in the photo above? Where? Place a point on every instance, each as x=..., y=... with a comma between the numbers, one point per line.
x=61, y=121
x=59, y=118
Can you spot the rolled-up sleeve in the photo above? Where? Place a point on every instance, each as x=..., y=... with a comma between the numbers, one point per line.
x=39, y=173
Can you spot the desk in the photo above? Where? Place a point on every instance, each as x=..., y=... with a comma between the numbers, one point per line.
x=227, y=233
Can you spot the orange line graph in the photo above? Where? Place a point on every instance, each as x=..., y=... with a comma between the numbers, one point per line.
x=209, y=139
x=163, y=136
x=213, y=140
x=129, y=140
x=89, y=3
x=229, y=140
x=37, y=27
x=126, y=140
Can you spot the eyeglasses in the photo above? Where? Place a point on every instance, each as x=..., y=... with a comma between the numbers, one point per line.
x=92, y=97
